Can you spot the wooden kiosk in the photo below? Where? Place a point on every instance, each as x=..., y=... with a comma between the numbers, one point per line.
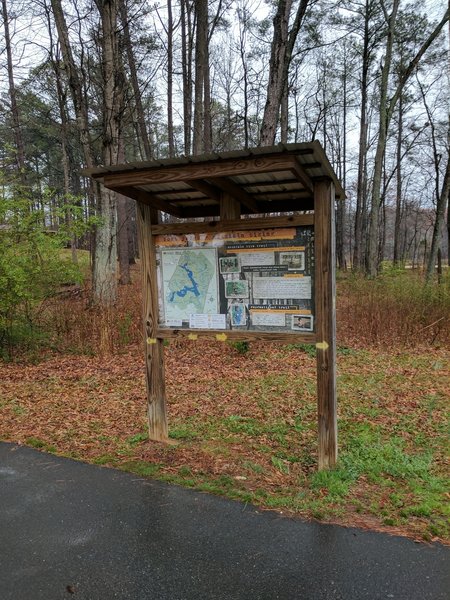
x=228, y=268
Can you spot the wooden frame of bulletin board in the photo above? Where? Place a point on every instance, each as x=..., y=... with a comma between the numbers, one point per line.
x=323, y=308
x=232, y=278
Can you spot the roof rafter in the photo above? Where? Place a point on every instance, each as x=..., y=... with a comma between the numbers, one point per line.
x=148, y=198
x=304, y=178
x=205, y=188
x=237, y=192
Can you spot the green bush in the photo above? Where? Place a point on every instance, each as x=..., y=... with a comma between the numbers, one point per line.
x=241, y=346
x=32, y=268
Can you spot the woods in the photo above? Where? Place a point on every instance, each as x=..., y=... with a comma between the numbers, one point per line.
x=102, y=82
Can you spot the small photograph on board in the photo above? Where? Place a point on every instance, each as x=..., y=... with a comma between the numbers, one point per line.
x=236, y=288
x=229, y=264
x=293, y=260
x=238, y=315
x=302, y=322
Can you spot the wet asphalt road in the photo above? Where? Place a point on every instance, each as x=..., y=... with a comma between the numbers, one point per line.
x=70, y=530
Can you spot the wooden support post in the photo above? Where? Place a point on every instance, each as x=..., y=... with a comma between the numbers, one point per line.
x=230, y=208
x=154, y=350
x=325, y=295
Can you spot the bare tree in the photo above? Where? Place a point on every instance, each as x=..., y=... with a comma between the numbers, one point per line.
x=282, y=46
x=15, y=115
x=201, y=141
x=387, y=107
x=137, y=95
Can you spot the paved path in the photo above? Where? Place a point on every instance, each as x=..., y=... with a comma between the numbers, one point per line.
x=70, y=530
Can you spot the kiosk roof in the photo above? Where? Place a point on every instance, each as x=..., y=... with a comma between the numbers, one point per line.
x=270, y=179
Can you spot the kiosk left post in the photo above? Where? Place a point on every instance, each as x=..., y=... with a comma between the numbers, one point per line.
x=153, y=347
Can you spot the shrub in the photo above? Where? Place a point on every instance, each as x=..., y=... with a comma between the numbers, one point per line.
x=396, y=308
x=31, y=269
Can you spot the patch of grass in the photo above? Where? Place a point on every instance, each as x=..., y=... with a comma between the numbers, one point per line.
x=309, y=349
x=18, y=410
x=245, y=425
x=241, y=347
x=186, y=432
x=124, y=325
x=345, y=351
x=40, y=445
x=137, y=438
x=105, y=459
x=142, y=468
x=254, y=427
x=252, y=466
x=280, y=465
x=184, y=471
x=336, y=482
x=366, y=452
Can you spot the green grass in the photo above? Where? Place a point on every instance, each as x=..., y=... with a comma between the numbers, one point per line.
x=40, y=445
x=142, y=468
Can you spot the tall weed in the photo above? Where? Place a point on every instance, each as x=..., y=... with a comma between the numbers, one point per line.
x=74, y=325
x=397, y=308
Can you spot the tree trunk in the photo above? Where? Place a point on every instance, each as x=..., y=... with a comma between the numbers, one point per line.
x=61, y=93
x=439, y=222
x=80, y=104
x=15, y=115
x=282, y=47
x=186, y=64
x=361, y=186
x=170, y=79
x=381, y=146
x=207, y=102
x=284, y=114
x=122, y=230
x=276, y=72
x=201, y=57
x=340, y=212
x=242, y=39
x=398, y=200
x=142, y=127
x=76, y=87
x=105, y=282
x=448, y=237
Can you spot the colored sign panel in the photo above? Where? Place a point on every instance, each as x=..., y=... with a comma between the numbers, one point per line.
x=258, y=280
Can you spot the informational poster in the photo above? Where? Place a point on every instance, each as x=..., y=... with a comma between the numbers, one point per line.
x=190, y=283
x=256, y=280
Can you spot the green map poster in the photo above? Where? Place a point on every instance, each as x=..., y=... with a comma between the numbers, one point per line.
x=189, y=283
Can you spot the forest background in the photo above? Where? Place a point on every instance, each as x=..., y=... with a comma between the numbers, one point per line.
x=105, y=82
x=99, y=82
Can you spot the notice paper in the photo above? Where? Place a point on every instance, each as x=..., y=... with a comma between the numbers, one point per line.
x=202, y=321
x=282, y=288
x=268, y=319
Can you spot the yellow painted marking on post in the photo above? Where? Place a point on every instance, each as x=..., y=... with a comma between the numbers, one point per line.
x=322, y=346
x=193, y=336
x=151, y=341
x=221, y=337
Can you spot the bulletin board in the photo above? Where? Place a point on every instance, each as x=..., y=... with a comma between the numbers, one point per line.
x=258, y=280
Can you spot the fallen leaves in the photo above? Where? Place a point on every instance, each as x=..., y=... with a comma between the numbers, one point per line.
x=244, y=424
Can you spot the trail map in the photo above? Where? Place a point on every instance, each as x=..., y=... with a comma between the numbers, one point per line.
x=189, y=282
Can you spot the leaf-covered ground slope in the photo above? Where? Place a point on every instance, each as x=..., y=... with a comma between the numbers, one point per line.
x=244, y=425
